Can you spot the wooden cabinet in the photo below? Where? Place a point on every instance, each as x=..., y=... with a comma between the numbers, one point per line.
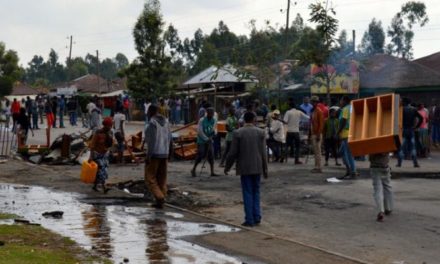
x=375, y=125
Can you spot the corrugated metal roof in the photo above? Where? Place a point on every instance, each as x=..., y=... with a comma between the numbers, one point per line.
x=213, y=74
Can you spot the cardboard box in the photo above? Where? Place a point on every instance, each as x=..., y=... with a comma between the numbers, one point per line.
x=375, y=125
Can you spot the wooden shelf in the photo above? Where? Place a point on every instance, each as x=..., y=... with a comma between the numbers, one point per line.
x=375, y=125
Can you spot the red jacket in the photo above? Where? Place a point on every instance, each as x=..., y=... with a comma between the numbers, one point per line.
x=15, y=107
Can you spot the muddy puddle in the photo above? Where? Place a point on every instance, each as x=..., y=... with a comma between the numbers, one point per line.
x=139, y=234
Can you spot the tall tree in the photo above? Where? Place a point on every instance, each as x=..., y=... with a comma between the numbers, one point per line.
x=9, y=69
x=77, y=68
x=373, y=41
x=55, y=71
x=327, y=27
x=151, y=74
x=36, y=69
x=121, y=61
x=400, y=30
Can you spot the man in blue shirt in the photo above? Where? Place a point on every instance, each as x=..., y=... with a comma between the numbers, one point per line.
x=306, y=106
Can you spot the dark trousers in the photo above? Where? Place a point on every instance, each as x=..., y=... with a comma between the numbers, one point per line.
x=250, y=186
x=293, y=142
x=205, y=151
x=225, y=154
x=275, y=146
x=72, y=118
x=331, y=146
x=35, y=121
x=408, y=144
x=54, y=124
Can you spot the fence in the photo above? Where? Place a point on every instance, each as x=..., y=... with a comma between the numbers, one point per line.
x=8, y=141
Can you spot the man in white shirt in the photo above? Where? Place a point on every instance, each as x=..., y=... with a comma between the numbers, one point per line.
x=276, y=135
x=89, y=107
x=292, y=118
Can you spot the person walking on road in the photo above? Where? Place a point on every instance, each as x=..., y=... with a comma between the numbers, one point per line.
x=316, y=128
x=206, y=132
x=102, y=140
x=293, y=118
x=158, y=138
x=381, y=176
x=248, y=150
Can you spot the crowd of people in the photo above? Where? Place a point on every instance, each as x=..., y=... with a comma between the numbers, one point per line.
x=321, y=125
x=255, y=134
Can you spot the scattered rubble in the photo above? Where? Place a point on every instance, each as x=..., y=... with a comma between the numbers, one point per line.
x=54, y=214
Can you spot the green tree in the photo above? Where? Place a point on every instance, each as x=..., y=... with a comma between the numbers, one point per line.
x=55, y=71
x=9, y=70
x=77, y=68
x=373, y=41
x=400, y=30
x=121, y=61
x=36, y=69
x=108, y=69
x=152, y=73
x=326, y=27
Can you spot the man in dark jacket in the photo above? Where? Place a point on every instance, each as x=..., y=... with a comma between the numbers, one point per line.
x=248, y=149
x=411, y=121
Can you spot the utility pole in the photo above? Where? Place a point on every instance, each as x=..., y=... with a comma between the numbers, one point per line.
x=97, y=67
x=70, y=49
x=354, y=43
x=69, y=75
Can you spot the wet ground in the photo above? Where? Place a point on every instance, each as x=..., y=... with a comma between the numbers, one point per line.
x=114, y=229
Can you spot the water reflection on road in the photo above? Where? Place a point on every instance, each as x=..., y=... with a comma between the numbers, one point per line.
x=115, y=231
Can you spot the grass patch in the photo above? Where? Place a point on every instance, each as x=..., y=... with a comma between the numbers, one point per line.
x=7, y=216
x=26, y=244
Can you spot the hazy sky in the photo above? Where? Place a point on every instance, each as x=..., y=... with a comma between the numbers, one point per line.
x=34, y=26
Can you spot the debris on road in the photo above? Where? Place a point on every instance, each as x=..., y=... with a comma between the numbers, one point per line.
x=54, y=214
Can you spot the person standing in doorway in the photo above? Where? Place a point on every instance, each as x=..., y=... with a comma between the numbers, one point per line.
x=344, y=125
x=316, y=128
x=293, y=141
x=158, y=137
x=248, y=150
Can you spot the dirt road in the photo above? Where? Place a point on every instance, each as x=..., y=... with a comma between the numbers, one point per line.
x=297, y=206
